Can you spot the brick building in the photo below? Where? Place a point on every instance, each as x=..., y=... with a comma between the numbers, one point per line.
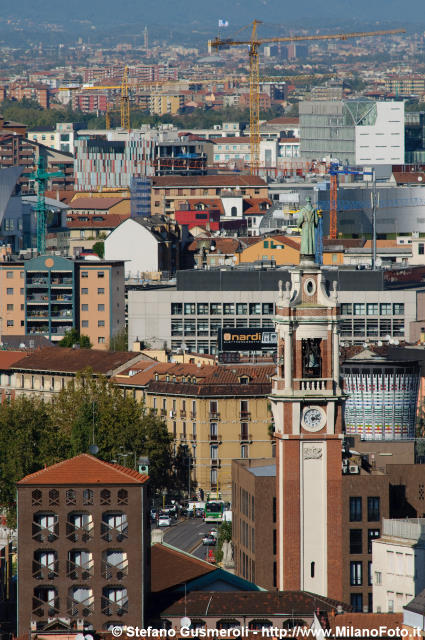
x=84, y=546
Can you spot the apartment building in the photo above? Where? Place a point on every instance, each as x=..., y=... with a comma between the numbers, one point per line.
x=49, y=295
x=84, y=546
x=167, y=191
x=220, y=412
x=398, y=564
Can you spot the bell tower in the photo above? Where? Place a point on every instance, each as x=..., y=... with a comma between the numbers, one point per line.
x=307, y=409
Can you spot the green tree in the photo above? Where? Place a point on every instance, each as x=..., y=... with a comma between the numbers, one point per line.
x=224, y=535
x=119, y=341
x=92, y=407
x=72, y=337
x=99, y=248
x=36, y=442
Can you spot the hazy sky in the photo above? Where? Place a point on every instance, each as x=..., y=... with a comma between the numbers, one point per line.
x=205, y=12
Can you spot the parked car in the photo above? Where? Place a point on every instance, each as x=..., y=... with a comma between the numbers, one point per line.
x=164, y=521
x=213, y=532
x=209, y=540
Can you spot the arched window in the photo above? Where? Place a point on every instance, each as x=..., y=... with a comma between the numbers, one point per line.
x=228, y=624
x=53, y=497
x=45, y=527
x=36, y=498
x=114, y=526
x=45, y=564
x=114, y=601
x=259, y=624
x=80, y=601
x=105, y=496
x=79, y=526
x=70, y=497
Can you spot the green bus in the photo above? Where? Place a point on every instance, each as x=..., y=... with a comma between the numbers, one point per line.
x=214, y=509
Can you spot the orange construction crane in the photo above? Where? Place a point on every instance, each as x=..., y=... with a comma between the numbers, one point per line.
x=254, y=94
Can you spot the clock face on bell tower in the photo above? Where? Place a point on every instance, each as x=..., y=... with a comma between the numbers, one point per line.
x=306, y=403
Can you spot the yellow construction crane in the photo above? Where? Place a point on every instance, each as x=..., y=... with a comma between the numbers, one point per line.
x=254, y=94
x=125, y=101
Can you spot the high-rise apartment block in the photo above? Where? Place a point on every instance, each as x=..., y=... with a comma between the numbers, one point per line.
x=49, y=295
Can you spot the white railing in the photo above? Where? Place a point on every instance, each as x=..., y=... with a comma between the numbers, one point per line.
x=312, y=384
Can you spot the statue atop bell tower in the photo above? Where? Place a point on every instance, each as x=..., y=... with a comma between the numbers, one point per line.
x=307, y=409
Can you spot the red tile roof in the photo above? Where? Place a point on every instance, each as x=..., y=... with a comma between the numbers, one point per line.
x=284, y=120
x=259, y=603
x=367, y=621
x=223, y=245
x=84, y=469
x=232, y=140
x=222, y=180
x=95, y=221
x=95, y=203
x=68, y=360
x=8, y=358
x=171, y=567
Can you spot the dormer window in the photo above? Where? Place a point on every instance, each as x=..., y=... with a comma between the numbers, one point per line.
x=156, y=377
x=167, y=378
x=244, y=379
x=183, y=379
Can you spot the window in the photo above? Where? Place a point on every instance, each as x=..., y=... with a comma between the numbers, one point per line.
x=9, y=274
x=10, y=323
x=100, y=323
x=88, y=496
x=101, y=307
x=189, y=308
x=100, y=274
x=84, y=274
x=241, y=309
x=203, y=308
x=356, y=541
x=254, y=308
x=355, y=509
x=10, y=307
x=372, y=534
x=215, y=308
x=84, y=323
x=100, y=291
x=268, y=308
x=84, y=307
x=373, y=509
x=359, y=309
x=176, y=308
x=70, y=497
x=101, y=340
x=228, y=308
x=213, y=452
x=84, y=291
x=9, y=292
x=421, y=247
x=356, y=574
x=244, y=451
x=378, y=577
x=398, y=309
x=372, y=309
x=385, y=308
x=357, y=601
x=22, y=291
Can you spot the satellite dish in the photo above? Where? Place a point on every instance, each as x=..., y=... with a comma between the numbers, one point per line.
x=379, y=343
x=396, y=341
x=88, y=637
x=94, y=450
x=185, y=622
x=79, y=636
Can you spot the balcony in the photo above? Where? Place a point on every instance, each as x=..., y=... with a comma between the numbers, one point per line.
x=214, y=415
x=114, y=572
x=216, y=463
x=37, y=298
x=76, y=571
x=61, y=282
x=43, y=572
x=183, y=437
x=244, y=415
x=182, y=414
x=37, y=315
x=37, y=282
x=193, y=415
x=164, y=413
x=320, y=385
x=214, y=437
x=44, y=608
x=80, y=609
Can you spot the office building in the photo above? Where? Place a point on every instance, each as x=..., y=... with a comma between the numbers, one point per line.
x=357, y=132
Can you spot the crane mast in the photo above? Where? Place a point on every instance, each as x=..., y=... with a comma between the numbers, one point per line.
x=254, y=84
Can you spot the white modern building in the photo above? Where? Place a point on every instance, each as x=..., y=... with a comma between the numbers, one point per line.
x=357, y=132
x=398, y=564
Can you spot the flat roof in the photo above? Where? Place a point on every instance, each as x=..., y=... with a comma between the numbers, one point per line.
x=263, y=472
